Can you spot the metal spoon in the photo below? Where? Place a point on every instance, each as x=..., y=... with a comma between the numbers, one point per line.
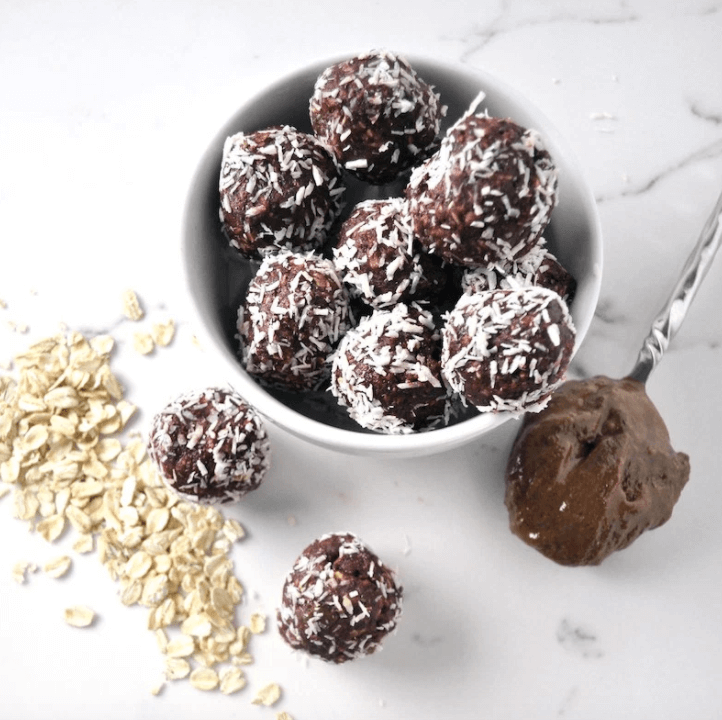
x=670, y=318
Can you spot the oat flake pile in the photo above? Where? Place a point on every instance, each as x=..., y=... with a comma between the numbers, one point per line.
x=62, y=459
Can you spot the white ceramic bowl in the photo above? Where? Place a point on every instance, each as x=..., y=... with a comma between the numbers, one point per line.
x=218, y=277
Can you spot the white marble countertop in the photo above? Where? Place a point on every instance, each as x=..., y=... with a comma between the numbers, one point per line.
x=105, y=109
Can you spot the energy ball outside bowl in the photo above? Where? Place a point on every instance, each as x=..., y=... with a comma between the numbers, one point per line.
x=210, y=446
x=376, y=114
x=295, y=311
x=279, y=188
x=386, y=372
x=486, y=195
x=379, y=259
x=507, y=350
x=339, y=602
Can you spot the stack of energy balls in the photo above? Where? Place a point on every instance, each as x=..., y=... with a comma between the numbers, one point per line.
x=409, y=306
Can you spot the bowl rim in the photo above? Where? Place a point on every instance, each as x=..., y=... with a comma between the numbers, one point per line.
x=405, y=444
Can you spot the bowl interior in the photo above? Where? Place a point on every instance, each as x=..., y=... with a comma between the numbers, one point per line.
x=218, y=276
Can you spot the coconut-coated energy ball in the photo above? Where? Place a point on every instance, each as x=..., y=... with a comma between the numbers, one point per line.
x=380, y=261
x=386, y=372
x=339, y=602
x=507, y=350
x=486, y=196
x=376, y=114
x=279, y=188
x=210, y=446
x=294, y=313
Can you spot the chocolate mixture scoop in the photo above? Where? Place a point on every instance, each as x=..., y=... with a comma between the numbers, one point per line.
x=594, y=469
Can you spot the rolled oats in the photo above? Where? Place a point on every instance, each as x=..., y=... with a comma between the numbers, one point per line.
x=51, y=527
x=163, y=332
x=79, y=616
x=65, y=467
x=177, y=668
x=267, y=695
x=58, y=567
x=204, y=678
x=182, y=646
x=232, y=680
x=257, y=624
x=131, y=305
x=143, y=343
x=84, y=544
x=20, y=570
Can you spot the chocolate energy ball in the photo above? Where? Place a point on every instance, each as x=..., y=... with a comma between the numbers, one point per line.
x=279, y=188
x=507, y=350
x=386, y=372
x=539, y=267
x=339, y=601
x=376, y=114
x=210, y=446
x=380, y=261
x=295, y=311
x=486, y=196
x=590, y=473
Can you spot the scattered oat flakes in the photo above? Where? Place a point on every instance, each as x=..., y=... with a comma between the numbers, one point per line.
x=204, y=678
x=66, y=469
x=84, y=544
x=243, y=635
x=233, y=530
x=161, y=638
x=79, y=616
x=283, y=716
x=183, y=646
x=51, y=528
x=3, y=304
x=267, y=695
x=232, y=680
x=257, y=623
x=177, y=668
x=163, y=332
x=57, y=567
x=20, y=570
x=143, y=343
x=157, y=689
x=242, y=658
x=4, y=490
x=197, y=626
x=131, y=306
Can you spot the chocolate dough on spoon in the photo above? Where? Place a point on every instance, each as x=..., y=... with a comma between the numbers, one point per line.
x=592, y=472
x=595, y=469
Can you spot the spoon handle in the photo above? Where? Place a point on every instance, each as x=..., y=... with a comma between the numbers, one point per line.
x=670, y=318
